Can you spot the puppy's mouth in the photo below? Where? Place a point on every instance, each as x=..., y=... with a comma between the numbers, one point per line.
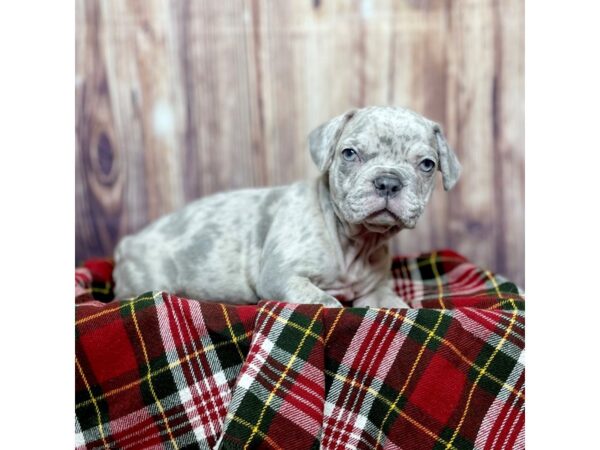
x=383, y=215
x=384, y=219
x=381, y=220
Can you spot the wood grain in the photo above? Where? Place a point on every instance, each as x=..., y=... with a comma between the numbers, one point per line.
x=177, y=100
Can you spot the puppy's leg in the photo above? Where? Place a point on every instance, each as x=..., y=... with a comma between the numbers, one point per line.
x=384, y=296
x=297, y=289
x=306, y=292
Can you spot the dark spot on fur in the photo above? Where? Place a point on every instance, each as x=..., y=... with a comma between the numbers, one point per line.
x=386, y=140
x=175, y=225
x=169, y=268
x=202, y=245
x=346, y=168
x=273, y=274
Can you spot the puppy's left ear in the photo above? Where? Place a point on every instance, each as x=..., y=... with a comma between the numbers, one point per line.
x=323, y=139
x=449, y=165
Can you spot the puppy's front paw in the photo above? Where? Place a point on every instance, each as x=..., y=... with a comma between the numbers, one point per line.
x=389, y=300
x=330, y=302
x=300, y=290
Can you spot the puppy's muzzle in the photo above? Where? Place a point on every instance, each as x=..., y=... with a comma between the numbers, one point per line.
x=387, y=186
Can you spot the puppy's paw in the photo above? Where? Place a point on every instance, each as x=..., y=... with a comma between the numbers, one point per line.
x=330, y=302
x=384, y=301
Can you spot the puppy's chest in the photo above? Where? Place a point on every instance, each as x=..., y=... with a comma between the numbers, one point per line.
x=358, y=274
x=354, y=282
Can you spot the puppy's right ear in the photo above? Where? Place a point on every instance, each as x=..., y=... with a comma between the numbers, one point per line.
x=323, y=139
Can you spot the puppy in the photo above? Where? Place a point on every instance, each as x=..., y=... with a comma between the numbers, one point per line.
x=319, y=241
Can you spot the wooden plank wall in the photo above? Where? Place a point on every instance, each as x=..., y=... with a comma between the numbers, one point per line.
x=179, y=99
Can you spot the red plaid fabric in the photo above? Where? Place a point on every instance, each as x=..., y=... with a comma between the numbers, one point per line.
x=166, y=372
x=278, y=399
x=156, y=372
x=422, y=379
x=83, y=279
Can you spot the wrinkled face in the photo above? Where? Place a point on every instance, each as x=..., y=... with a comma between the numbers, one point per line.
x=383, y=168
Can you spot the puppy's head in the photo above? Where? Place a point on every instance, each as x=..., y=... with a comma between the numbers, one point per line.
x=381, y=164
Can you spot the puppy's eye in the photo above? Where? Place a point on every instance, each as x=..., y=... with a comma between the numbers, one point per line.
x=349, y=154
x=427, y=165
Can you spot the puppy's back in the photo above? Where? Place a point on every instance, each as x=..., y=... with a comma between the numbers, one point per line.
x=210, y=249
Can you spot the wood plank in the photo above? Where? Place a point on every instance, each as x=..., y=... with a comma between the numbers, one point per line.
x=473, y=224
x=99, y=180
x=509, y=134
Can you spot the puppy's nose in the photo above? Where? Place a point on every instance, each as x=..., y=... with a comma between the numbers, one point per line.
x=387, y=186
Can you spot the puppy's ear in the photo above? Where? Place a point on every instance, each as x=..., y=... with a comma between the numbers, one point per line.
x=449, y=165
x=323, y=139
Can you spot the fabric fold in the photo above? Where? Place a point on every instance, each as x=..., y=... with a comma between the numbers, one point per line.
x=280, y=392
x=424, y=379
x=156, y=370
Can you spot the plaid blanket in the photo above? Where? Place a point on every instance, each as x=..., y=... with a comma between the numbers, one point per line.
x=162, y=371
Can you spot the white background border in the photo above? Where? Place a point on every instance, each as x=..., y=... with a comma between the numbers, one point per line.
x=562, y=223
x=37, y=161
x=37, y=123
